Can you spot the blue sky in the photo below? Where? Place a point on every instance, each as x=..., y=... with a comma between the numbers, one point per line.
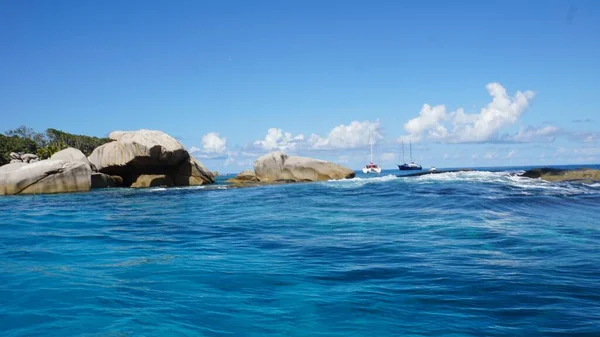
x=235, y=79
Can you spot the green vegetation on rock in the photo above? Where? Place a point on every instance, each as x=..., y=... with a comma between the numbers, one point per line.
x=24, y=139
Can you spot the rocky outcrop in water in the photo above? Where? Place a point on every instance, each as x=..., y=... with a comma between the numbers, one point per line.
x=277, y=167
x=244, y=178
x=143, y=158
x=191, y=172
x=132, y=154
x=553, y=174
x=143, y=150
x=152, y=180
x=47, y=176
x=101, y=180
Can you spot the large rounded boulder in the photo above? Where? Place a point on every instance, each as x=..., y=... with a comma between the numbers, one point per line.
x=71, y=154
x=247, y=177
x=277, y=166
x=191, y=173
x=47, y=176
x=141, y=151
x=132, y=154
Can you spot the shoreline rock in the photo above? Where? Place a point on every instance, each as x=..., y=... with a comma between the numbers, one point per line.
x=244, y=178
x=279, y=168
x=101, y=180
x=142, y=151
x=559, y=175
x=132, y=154
x=152, y=180
x=46, y=176
x=143, y=158
x=191, y=173
x=71, y=154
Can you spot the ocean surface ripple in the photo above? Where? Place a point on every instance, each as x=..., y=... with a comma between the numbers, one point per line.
x=477, y=253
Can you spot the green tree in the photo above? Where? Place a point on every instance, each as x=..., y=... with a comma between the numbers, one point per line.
x=85, y=144
x=24, y=139
x=10, y=144
x=28, y=133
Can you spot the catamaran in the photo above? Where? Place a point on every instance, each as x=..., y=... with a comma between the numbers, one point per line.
x=371, y=167
x=412, y=165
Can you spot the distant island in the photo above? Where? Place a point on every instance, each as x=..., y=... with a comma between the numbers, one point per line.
x=56, y=162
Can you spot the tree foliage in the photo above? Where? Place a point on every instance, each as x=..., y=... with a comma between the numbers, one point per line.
x=85, y=144
x=10, y=144
x=24, y=139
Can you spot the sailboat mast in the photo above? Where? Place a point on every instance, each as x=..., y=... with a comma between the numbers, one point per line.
x=371, y=141
x=403, y=160
x=410, y=148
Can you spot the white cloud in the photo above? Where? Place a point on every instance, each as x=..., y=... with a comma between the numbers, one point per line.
x=276, y=139
x=435, y=123
x=532, y=134
x=354, y=135
x=586, y=120
x=388, y=156
x=213, y=147
x=586, y=137
x=491, y=155
x=343, y=159
x=587, y=154
x=213, y=143
x=511, y=154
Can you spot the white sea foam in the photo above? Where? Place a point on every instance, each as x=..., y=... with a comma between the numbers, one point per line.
x=162, y=189
x=156, y=189
x=466, y=176
x=521, y=185
x=527, y=186
x=359, y=181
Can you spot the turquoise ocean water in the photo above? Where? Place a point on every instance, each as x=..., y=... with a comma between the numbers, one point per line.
x=479, y=253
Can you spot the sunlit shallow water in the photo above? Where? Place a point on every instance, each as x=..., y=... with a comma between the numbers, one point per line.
x=455, y=254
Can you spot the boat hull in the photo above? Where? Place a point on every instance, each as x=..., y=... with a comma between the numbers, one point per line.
x=376, y=170
x=409, y=168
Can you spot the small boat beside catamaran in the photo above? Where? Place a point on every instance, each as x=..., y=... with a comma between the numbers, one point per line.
x=412, y=165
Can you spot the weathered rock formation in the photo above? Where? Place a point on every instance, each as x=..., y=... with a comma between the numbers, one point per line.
x=191, y=173
x=133, y=154
x=277, y=166
x=101, y=180
x=17, y=157
x=12, y=166
x=47, y=176
x=143, y=150
x=71, y=154
x=141, y=158
x=244, y=178
x=152, y=180
x=553, y=174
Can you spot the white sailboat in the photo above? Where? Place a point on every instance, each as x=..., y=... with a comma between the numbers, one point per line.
x=371, y=167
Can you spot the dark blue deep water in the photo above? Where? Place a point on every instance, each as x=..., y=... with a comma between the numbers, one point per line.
x=454, y=254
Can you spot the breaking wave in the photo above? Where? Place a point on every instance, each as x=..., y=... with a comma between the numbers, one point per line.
x=503, y=179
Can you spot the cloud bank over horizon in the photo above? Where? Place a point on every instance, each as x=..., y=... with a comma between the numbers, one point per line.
x=435, y=123
x=349, y=143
